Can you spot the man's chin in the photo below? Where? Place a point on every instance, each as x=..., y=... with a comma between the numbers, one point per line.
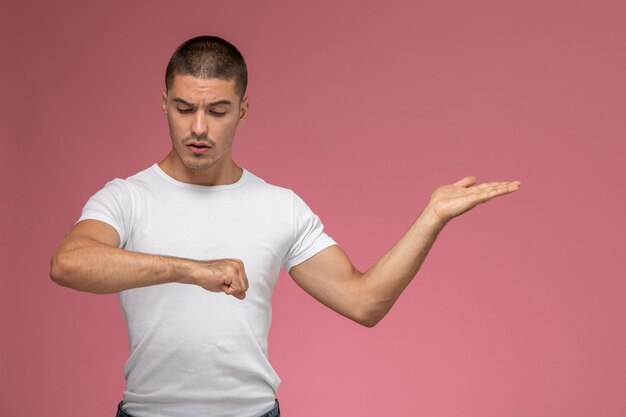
x=197, y=166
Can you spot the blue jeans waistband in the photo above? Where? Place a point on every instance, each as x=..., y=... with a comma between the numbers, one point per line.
x=274, y=412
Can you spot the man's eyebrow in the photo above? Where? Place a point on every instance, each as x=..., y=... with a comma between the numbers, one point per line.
x=215, y=103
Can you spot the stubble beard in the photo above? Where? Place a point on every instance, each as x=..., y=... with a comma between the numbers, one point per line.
x=197, y=163
x=200, y=165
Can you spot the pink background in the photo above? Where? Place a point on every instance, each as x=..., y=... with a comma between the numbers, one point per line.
x=363, y=109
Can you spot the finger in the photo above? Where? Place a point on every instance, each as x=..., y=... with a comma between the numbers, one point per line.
x=242, y=283
x=496, y=191
x=237, y=294
x=497, y=183
x=503, y=187
x=466, y=181
x=238, y=285
x=234, y=292
x=246, y=284
x=229, y=276
x=507, y=186
x=488, y=185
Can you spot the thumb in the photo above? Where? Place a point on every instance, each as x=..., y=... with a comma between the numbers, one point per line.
x=230, y=291
x=466, y=181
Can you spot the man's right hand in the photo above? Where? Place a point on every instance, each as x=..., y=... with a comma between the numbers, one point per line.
x=89, y=259
x=227, y=275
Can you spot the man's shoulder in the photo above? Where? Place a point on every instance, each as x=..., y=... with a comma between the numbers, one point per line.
x=138, y=179
x=126, y=188
x=148, y=171
x=254, y=182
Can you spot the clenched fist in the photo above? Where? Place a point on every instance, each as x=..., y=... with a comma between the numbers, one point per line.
x=227, y=275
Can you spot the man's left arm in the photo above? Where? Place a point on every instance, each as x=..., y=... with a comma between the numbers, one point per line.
x=366, y=298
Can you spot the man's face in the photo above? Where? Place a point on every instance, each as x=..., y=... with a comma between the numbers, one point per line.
x=203, y=115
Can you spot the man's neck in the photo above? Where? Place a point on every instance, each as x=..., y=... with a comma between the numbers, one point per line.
x=215, y=175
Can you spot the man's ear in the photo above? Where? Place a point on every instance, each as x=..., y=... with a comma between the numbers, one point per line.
x=243, y=110
x=164, y=103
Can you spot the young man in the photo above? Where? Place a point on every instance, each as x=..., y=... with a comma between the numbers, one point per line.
x=193, y=246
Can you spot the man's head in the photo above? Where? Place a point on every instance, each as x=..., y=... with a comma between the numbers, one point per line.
x=204, y=104
x=208, y=57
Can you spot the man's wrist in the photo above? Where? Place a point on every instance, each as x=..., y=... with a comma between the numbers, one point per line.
x=429, y=219
x=181, y=270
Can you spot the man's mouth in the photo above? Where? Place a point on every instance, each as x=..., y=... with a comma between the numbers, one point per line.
x=198, y=147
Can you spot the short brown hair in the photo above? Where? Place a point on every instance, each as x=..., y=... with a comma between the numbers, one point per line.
x=208, y=57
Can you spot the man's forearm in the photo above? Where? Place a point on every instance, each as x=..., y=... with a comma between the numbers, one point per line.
x=383, y=283
x=103, y=269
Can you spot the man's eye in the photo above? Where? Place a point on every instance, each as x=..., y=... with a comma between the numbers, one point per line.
x=218, y=114
x=184, y=111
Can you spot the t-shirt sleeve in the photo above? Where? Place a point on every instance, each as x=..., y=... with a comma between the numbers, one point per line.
x=112, y=205
x=308, y=234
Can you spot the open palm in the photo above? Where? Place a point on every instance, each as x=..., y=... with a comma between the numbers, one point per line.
x=449, y=201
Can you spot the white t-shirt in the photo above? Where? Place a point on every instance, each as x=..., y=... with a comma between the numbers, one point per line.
x=194, y=352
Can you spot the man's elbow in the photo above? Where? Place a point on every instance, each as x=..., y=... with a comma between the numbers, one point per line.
x=367, y=313
x=55, y=269
x=59, y=270
x=368, y=323
x=368, y=318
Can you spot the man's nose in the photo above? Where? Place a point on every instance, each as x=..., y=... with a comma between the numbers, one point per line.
x=199, y=125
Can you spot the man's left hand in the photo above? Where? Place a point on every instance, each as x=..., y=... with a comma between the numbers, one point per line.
x=452, y=200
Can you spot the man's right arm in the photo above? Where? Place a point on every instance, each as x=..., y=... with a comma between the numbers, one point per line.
x=89, y=259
